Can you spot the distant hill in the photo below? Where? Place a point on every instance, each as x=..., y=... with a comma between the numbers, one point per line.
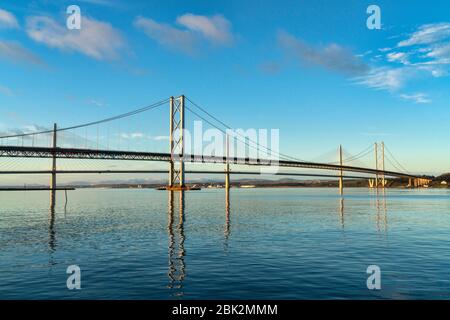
x=442, y=181
x=443, y=177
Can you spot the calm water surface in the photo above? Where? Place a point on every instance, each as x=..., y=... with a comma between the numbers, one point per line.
x=269, y=244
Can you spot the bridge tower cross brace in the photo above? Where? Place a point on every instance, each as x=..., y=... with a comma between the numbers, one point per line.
x=380, y=180
x=176, y=142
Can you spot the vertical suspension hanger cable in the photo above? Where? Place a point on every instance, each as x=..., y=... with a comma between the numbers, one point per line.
x=120, y=135
x=85, y=141
x=107, y=136
x=97, y=134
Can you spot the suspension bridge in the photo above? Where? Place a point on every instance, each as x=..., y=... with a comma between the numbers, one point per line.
x=67, y=143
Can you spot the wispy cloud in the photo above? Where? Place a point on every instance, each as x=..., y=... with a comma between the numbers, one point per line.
x=8, y=20
x=167, y=35
x=430, y=44
x=332, y=57
x=134, y=135
x=383, y=78
x=440, y=53
x=6, y=91
x=108, y=3
x=400, y=57
x=142, y=136
x=96, y=102
x=161, y=138
x=23, y=130
x=427, y=34
x=15, y=52
x=419, y=98
x=216, y=28
x=270, y=67
x=96, y=39
x=376, y=134
x=192, y=30
x=420, y=55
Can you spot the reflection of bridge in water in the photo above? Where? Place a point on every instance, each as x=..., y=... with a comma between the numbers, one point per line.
x=175, y=229
x=176, y=237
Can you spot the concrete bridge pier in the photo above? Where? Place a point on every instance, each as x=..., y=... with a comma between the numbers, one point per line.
x=418, y=182
x=378, y=183
x=227, y=178
x=227, y=167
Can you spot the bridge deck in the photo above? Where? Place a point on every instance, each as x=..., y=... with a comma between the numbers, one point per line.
x=73, y=153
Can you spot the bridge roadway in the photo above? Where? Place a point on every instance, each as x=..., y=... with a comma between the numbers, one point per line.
x=311, y=175
x=75, y=153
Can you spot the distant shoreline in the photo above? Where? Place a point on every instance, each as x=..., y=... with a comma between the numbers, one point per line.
x=438, y=183
x=62, y=188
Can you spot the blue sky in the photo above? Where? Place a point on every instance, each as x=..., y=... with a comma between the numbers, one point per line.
x=310, y=68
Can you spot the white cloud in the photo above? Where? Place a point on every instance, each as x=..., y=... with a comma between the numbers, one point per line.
x=159, y=138
x=383, y=78
x=418, y=98
x=109, y=3
x=376, y=134
x=14, y=52
x=441, y=53
x=428, y=34
x=5, y=90
x=438, y=73
x=423, y=54
x=134, y=135
x=141, y=135
x=436, y=70
x=333, y=57
x=217, y=29
x=23, y=129
x=401, y=57
x=8, y=20
x=96, y=39
x=96, y=103
x=167, y=35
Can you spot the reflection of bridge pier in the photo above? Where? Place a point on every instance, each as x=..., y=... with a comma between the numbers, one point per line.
x=381, y=208
x=227, y=230
x=175, y=229
x=51, y=230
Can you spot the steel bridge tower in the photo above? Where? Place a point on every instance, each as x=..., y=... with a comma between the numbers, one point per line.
x=380, y=180
x=176, y=142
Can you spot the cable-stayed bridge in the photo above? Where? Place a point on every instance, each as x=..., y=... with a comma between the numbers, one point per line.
x=107, y=140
